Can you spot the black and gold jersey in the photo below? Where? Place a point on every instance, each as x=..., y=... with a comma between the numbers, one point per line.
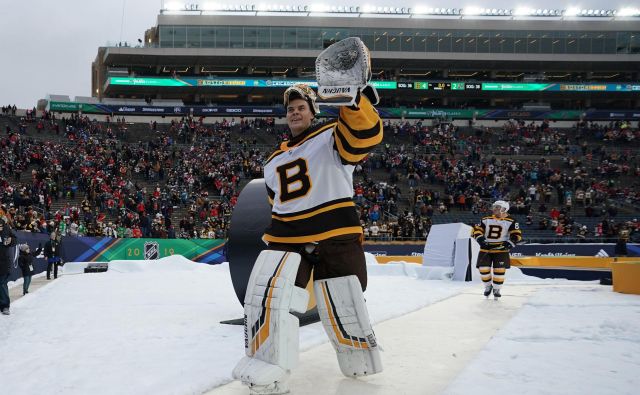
x=310, y=178
x=496, y=231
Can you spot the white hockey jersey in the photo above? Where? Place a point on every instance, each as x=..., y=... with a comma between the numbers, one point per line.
x=496, y=231
x=310, y=178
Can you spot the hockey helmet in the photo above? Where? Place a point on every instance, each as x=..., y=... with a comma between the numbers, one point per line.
x=504, y=206
x=304, y=92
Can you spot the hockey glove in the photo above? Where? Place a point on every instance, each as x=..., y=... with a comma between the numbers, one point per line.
x=371, y=93
x=483, y=242
x=342, y=71
x=508, y=245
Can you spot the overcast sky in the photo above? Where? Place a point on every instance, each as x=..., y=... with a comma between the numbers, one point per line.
x=47, y=46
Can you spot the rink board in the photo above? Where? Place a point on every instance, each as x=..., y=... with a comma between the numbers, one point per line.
x=584, y=268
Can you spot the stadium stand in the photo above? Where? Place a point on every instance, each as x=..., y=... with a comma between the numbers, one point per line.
x=181, y=179
x=540, y=111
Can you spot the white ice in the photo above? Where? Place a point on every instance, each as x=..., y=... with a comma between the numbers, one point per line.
x=154, y=328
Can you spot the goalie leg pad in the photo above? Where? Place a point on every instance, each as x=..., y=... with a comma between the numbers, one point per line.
x=346, y=321
x=271, y=332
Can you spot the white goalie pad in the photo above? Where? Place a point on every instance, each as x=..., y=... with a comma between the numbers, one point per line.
x=346, y=321
x=271, y=332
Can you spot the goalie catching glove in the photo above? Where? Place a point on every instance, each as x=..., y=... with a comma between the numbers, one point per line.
x=343, y=71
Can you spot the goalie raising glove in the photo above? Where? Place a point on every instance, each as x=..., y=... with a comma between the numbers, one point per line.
x=343, y=71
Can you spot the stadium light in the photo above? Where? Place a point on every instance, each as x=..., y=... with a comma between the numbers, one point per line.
x=521, y=11
x=628, y=12
x=211, y=7
x=371, y=9
x=472, y=10
x=319, y=7
x=571, y=11
x=420, y=10
x=174, y=6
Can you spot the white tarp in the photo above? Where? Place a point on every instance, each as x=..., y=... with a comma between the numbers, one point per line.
x=465, y=259
x=439, y=249
x=451, y=245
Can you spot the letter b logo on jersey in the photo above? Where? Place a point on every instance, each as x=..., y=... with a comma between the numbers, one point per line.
x=294, y=180
x=495, y=232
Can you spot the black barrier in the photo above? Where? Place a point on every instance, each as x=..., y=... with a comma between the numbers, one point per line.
x=250, y=217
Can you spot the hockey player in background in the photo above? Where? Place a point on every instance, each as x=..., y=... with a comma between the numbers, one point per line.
x=497, y=234
x=315, y=228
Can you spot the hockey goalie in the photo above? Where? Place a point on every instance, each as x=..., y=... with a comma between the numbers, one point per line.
x=314, y=227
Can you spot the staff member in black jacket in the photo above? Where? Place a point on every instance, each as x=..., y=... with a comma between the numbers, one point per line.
x=25, y=261
x=7, y=241
x=53, y=252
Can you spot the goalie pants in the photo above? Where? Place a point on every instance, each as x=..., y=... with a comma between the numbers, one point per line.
x=335, y=257
x=499, y=261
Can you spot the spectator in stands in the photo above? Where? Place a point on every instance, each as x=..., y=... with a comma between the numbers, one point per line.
x=374, y=230
x=582, y=234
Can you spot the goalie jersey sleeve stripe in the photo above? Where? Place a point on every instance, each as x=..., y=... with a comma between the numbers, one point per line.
x=359, y=138
x=358, y=131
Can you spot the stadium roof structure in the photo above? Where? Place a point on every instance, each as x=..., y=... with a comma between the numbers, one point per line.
x=250, y=41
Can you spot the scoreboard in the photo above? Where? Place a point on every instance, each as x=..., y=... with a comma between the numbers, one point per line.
x=438, y=86
x=446, y=86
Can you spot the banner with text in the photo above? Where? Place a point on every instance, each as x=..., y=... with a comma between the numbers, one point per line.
x=557, y=250
x=97, y=249
x=400, y=112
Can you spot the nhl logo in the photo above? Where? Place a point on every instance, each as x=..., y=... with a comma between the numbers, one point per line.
x=151, y=250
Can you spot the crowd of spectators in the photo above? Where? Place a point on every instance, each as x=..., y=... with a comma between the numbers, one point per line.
x=111, y=187
x=127, y=189
x=457, y=175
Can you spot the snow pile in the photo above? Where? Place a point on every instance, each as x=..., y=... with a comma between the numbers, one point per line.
x=152, y=327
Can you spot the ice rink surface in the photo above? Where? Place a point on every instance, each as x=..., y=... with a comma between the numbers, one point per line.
x=154, y=328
